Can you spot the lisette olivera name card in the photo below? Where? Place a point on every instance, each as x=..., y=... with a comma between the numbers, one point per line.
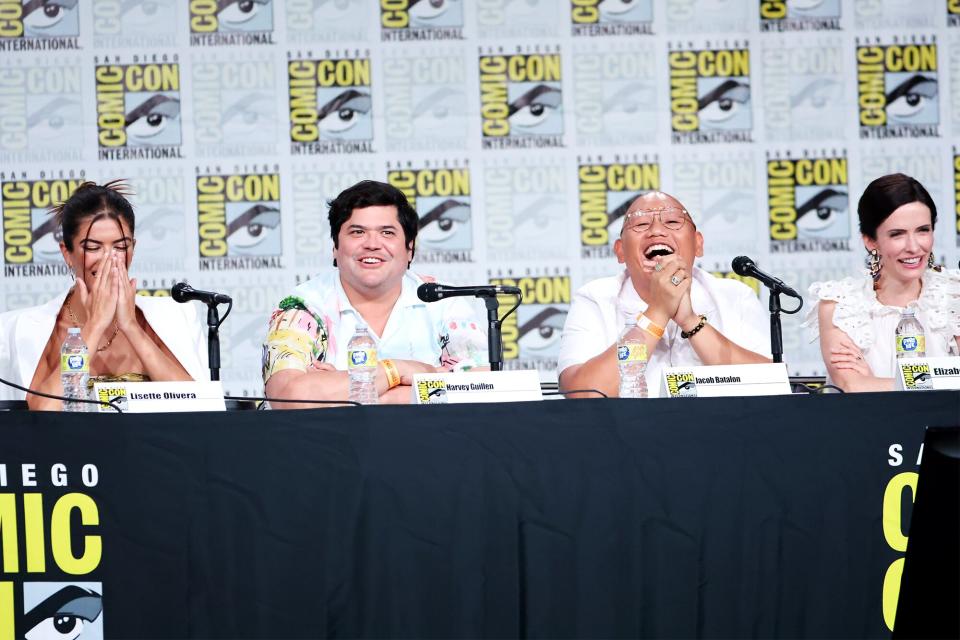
x=160, y=397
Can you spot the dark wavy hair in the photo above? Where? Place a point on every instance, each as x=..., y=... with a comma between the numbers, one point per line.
x=885, y=195
x=370, y=193
x=92, y=200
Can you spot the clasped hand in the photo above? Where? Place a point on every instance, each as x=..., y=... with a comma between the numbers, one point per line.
x=111, y=296
x=668, y=300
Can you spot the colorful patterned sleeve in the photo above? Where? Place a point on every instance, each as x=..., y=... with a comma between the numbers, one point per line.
x=296, y=338
x=463, y=337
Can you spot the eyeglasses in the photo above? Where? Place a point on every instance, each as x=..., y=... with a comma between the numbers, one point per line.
x=671, y=217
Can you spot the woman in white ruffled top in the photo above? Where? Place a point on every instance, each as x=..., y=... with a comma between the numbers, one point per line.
x=857, y=317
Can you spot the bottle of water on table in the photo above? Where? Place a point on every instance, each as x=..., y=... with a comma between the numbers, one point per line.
x=362, y=366
x=632, y=360
x=74, y=370
x=911, y=342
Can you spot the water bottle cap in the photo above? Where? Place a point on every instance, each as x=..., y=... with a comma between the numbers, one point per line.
x=73, y=330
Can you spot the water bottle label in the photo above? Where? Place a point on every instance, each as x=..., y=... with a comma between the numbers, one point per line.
x=911, y=344
x=362, y=358
x=632, y=353
x=74, y=363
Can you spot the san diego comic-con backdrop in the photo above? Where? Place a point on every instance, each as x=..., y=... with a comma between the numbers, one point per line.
x=519, y=129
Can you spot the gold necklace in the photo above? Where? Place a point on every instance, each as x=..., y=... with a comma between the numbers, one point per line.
x=76, y=321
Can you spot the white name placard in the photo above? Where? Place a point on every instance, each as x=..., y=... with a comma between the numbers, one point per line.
x=476, y=386
x=724, y=381
x=160, y=397
x=927, y=374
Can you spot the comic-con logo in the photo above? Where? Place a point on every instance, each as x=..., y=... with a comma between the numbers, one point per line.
x=331, y=106
x=238, y=218
x=808, y=203
x=39, y=25
x=526, y=211
x=606, y=191
x=41, y=113
x=432, y=392
x=31, y=236
x=710, y=95
x=421, y=20
x=531, y=335
x=441, y=198
x=159, y=202
x=956, y=194
x=799, y=15
x=611, y=17
x=122, y=24
x=225, y=22
x=521, y=101
x=916, y=376
x=234, y=106
x=138, y=111
x=681, y=385
x=897, y=90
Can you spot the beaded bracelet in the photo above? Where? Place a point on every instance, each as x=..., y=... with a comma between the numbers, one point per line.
x=692, y=332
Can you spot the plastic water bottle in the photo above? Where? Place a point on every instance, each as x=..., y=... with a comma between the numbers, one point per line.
x=911, y=342
x=632, y=359
x=74, y=370
x=362, y=366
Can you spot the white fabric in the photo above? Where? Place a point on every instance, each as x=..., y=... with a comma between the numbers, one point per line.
x=414, y=330
x=600, y=309
x=871, y=325
x=25, y=332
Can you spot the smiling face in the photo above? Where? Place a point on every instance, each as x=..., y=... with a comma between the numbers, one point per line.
x=371, y=251
x=904, y=241
x=94, y=240
x=637, y=243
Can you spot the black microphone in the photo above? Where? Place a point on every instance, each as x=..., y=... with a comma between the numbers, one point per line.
x=744, y=266
x=432, y=291
x=182, y=292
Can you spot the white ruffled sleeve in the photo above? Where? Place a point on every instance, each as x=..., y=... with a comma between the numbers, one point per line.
x=940, y=306
x=855, y=310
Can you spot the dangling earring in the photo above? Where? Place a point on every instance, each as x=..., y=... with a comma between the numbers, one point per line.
x=932, y=263
x=334, y=262
x=873, y=263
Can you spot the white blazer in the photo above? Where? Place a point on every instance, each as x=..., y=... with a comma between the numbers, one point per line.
x=25, y=332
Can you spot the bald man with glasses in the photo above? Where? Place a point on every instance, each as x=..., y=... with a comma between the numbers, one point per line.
x=686, y=316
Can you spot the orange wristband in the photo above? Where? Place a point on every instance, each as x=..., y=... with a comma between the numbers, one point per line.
x=393, y=376
x=649, y=326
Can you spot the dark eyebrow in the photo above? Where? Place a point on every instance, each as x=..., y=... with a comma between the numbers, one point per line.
x=146, y=106
x=33, y=5
x=71, y=600
x=341, y=99
x=247, y=216
x=717, y=92
x=907, y=86
x=437, y=212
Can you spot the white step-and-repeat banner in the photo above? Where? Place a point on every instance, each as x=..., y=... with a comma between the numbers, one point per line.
x=519, y=129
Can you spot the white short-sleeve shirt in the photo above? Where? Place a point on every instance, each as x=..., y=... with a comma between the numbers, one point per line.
x=601, y=307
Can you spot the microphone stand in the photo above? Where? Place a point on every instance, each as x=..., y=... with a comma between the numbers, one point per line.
x=776, y=331
x=213, y=340
x=494, y=333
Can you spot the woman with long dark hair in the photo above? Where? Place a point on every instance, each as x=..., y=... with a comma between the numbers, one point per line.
x=857, y=317
x=129, y=337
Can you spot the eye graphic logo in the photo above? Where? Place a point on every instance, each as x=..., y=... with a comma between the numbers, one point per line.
x=134, y=23
x=227, y=22
x=799, y=15
x=611, y=17
x=31, y=236
x=239, y=221
x=710, y=97
x=521, y=101
x=159, y=203
x=606, y=191
x=421, y=20
x=531, y=336
x=681, y=385
x=432, y=392
x=331, y=106
x=808, y=203
x=138, y=111
x=62, y=610
x=953, y=13
x=38, y=25
x=442, y=200
x=897, y=90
